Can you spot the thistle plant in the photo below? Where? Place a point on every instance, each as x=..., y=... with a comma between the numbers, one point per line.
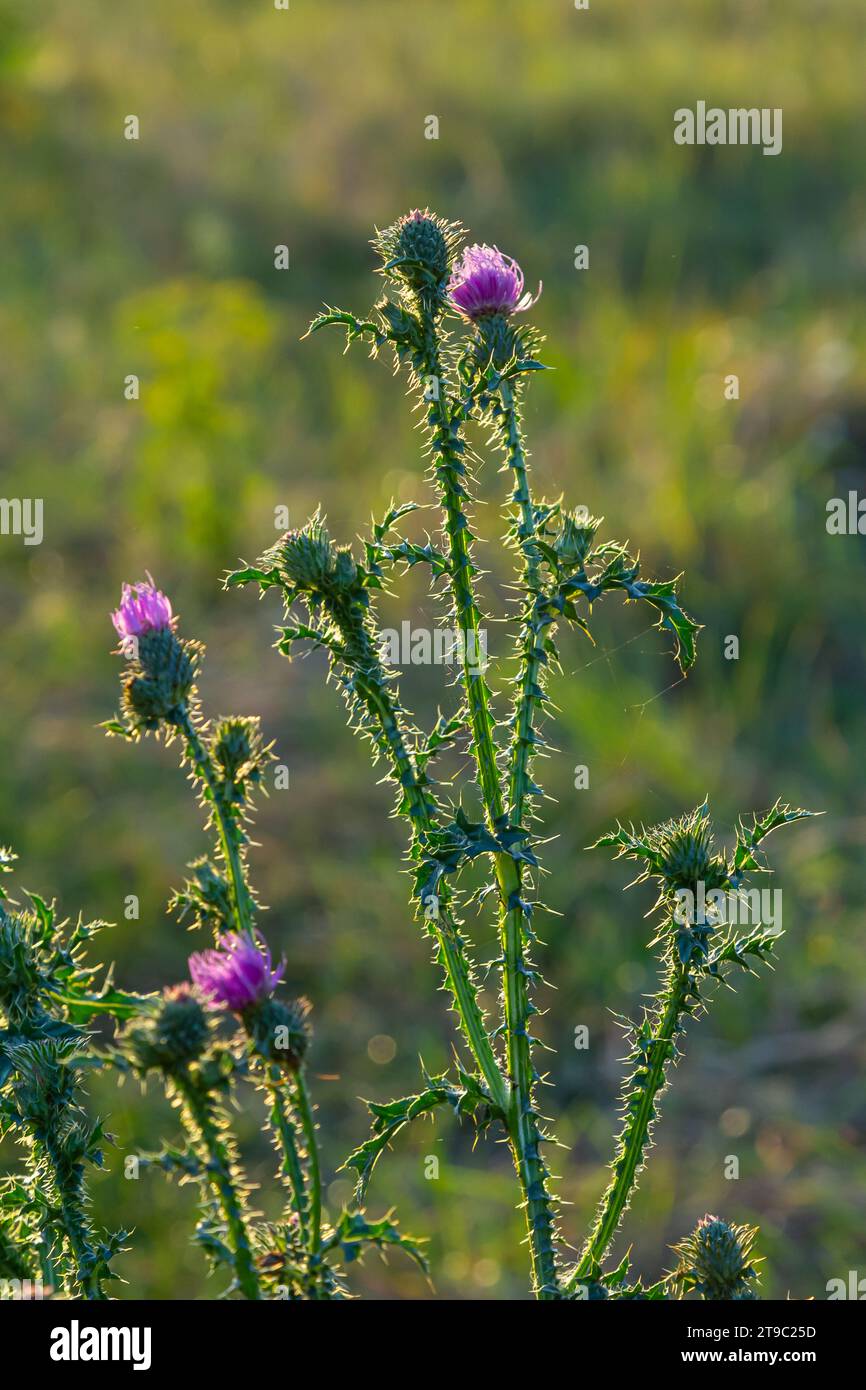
x=48, y=995
x=454, y=319
x=228, y=1027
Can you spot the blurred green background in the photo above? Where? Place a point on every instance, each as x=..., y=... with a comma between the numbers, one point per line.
x=156, y=257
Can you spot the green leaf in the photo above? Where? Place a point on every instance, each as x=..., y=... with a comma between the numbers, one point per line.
x=662, y=595
x=621, y=572
x=266, y=579
x=749, y=837
x=390, y=1118
x=83, y=1005
x=354, y=1232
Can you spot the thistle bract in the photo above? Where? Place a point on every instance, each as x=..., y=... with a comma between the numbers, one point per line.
x=159, y=679
x=237, y=974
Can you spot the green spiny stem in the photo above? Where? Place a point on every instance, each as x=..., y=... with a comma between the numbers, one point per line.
x=370, y=687
x=85, y=1282
x=522, y=1120
x=225, y=825
x=516, y=973
x=637, y=1124
x=457, y=967
x=515, y=459
x=447, y=455
x=216, y=1152
x=308, y=1125
x=522, y=1126
x=530, y=662
x=284, y=1132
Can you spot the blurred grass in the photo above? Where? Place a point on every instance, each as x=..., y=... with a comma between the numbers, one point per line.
x=156, y=258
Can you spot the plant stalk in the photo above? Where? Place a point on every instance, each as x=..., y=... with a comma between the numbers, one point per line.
x=219, y=1167
x=226, y=831
x=74, y=1229
x=284, y=1130
x=636, y=1128
x=457, y=968
x=308, y=1125
x=522, y=1126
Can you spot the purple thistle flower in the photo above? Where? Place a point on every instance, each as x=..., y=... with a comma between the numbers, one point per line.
x=143, y=608
x=236, y=974
x=484, y=281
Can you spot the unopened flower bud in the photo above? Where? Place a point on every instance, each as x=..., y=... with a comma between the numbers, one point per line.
x=177, y=1034
x=418, y=251
x=307, y=557
x=240, y=754
x=280, y=1031
x=689, y=858
x=574, y=539
x=310, y=560
x=422, y=246
x=715, y=1260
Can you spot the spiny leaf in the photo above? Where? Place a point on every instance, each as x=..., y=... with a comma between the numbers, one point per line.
x=390, y=1118
x=354, y=1232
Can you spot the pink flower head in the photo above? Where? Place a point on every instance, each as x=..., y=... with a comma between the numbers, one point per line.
x=236, y=974
x=485, y=282
x=143, y=608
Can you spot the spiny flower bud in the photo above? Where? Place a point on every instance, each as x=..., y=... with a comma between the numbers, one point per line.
x=206, y=896
x=174, y=1036
x=19, y=964
x=240, y=754
x=307, y=556
x=310, y=560
x=422, y=246
x=418, y=249
x=160, y=678
x=715, y=1260
x=345, y=575
x=688, y=859
x=574, y=539
x=280, y=1031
